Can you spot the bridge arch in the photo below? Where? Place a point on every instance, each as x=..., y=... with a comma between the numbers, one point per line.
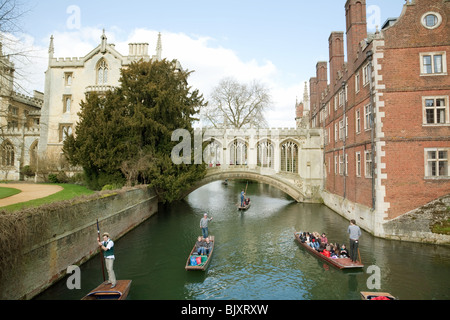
x=272, y=180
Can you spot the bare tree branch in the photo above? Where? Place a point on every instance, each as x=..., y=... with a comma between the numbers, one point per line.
x=237, y=105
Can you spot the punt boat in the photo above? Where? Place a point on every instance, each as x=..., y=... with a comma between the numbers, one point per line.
x=341, y=263
x=204, y=259
x=105, y=292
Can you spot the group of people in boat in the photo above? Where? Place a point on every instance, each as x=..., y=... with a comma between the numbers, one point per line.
x=203, y=246
x=320, y=243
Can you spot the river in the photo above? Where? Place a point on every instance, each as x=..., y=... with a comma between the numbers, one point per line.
x=256, y=257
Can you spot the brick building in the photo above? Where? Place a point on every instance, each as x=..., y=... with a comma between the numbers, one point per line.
x=385, y=113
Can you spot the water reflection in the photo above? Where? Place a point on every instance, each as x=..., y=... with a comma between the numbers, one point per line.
x=255, y=255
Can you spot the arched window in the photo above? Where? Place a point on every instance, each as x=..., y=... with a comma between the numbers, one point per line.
x=102, y=72
x=289, y=157
x=238, y=152
x=265, y=154
x=7, y=154
x=65, y=130
x=212, y=154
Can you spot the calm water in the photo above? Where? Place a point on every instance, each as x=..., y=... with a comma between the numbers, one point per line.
x=256, y=257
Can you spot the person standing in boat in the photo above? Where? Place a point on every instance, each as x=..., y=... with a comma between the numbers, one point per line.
x=204, y=225
x=354, y=233
x=242, y=197
x=107, y=246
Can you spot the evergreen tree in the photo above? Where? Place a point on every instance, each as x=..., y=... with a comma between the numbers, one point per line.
x=126, y=133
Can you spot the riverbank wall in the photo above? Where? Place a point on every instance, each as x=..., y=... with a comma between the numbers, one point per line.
x=423, y=225
x=50, y=239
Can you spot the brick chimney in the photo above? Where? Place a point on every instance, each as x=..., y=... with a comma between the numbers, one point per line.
x=355, y=14
x=336, y=47
x=322, y=76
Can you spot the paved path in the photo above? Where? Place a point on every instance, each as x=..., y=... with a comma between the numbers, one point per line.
x=30, y=191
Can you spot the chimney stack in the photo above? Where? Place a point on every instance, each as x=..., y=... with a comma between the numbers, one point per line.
x=336, y=47
x=355, y=14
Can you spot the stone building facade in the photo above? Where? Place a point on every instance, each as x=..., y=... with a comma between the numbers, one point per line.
x=69, y=80
x=19, y=124
x=385, y=113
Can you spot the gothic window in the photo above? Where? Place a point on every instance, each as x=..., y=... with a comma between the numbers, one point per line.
x=67, y=100
x=265, y=154
x=7, y=154
x=213, y=153
x=68, y=76
x=289, y=157
x=65, y=130
x=102, y=72
x=238, y=153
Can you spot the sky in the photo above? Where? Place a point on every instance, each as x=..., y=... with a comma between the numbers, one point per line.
x=275, y=42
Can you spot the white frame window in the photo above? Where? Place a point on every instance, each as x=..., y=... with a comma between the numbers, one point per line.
x=357, y=84
x=358, y=121
x=368, y=164
x=358, y=164
x=335, y=132
x=431, y=20
x=341, y=164
x=433, y=63
x=367, y=113
x=365, y=75
x=435, y=110
x=436, y=163
x=335, y=165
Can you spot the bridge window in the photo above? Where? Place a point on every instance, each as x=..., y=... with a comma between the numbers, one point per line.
x=238, y=153
x=289, y=157
x=265, y=154
x=212, y=154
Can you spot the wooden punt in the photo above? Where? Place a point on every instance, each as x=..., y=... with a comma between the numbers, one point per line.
x=341, y=263
x=205, y=259
x=245, y=207
x=366, y=295
x=105, y=292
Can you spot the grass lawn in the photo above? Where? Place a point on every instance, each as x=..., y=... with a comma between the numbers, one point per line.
x=8, y=192
x=70, y=191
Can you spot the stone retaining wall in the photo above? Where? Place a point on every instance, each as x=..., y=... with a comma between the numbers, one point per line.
x=70, y=238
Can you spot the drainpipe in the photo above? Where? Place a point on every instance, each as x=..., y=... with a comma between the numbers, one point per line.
x=324, y=166
x=344, y=139
x=369, y=55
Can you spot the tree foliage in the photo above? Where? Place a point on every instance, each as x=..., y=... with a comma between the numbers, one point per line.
x=125, y=134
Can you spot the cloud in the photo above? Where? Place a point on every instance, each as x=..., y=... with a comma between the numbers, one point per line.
x=209, y=61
